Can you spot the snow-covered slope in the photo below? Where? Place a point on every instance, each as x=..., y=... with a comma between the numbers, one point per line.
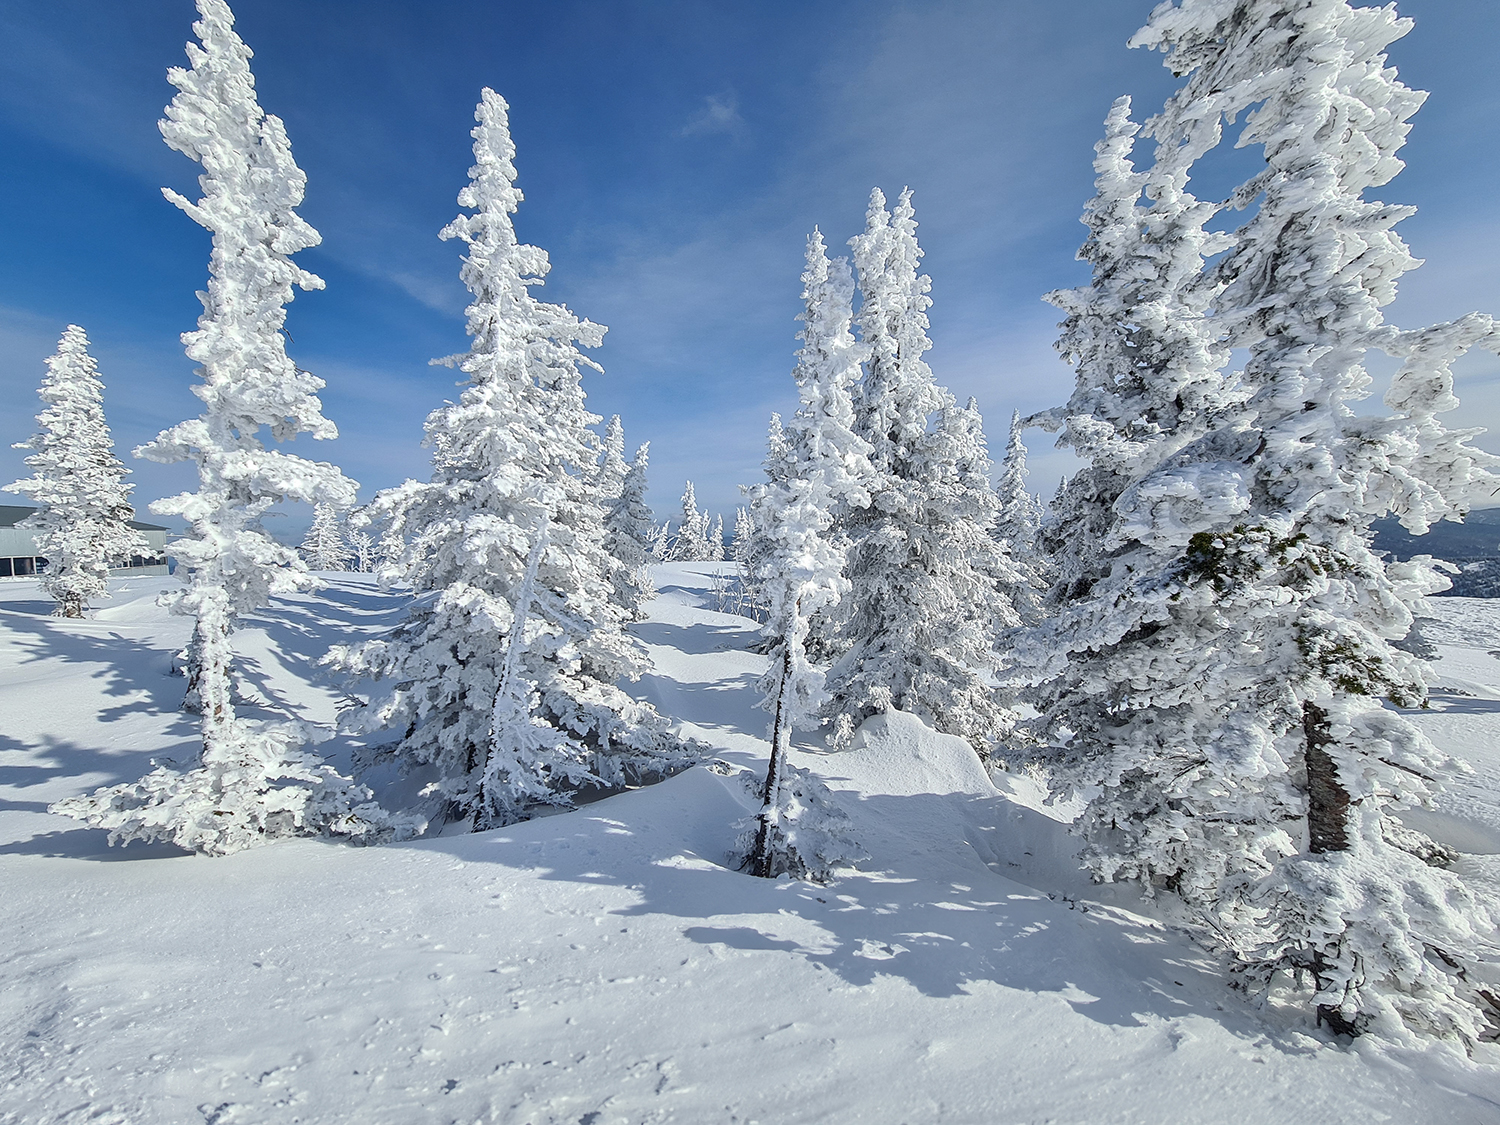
x=603, y=966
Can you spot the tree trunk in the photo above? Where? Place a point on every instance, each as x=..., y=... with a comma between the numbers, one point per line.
x=761, y=854
x=1327, y=831
x=1327, y=799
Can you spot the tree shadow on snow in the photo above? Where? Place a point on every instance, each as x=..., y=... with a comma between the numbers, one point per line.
x=933, y=913
x=59, y=767
x=1452, y=703
x=727, y=705
x=697, y=640
x=127, y=667
x=33, y=609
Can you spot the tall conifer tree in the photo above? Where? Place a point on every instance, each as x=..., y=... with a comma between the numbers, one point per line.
x=817, y=461
x=82, y=521
x=514, y=457
x=908, y=629
x=255, y=781
x=1231, y=633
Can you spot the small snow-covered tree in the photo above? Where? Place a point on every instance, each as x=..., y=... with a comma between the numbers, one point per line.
x=817, y=462
x=255, y=781
x=744, y=531
x=662, y=542
x=363, y=551
x=692, y=533
x=612, y=468
x=745, y=550
x=629, y=531
x=1018, y=518
x=716, y=540
x=513, y=461
x=82, y=520
x=917, y=630
x=323, y=548
x=390, y=555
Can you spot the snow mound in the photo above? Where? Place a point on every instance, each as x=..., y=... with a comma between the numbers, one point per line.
x=898, y=754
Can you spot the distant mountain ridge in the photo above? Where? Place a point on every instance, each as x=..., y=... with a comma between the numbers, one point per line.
x=1476, y=537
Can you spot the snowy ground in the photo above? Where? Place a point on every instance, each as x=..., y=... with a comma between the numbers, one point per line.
x=603, y=966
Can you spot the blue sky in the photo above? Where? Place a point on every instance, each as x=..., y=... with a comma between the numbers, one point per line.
x=674, y=156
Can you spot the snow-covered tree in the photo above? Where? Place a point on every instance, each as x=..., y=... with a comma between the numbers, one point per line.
x=744, y=531
x=1149, y=384
x=918, y=627
x=716, y=540
x=255, y=781
x=82, y=520
x=612, y=467
x=818, y=462
x=363, y=551
x=629, y=533
x=692, y=533
x=746, y=551
x=1018, y=518
x=512, y=459
x=662, y=542
x=323, y=547
x=390, y=555
x=1239, y=627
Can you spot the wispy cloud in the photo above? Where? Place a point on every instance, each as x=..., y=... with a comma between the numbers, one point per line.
x=720, y=113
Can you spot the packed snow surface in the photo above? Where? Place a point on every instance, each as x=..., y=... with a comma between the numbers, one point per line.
x=604, y=965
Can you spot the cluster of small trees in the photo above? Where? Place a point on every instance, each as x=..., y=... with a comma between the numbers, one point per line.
x=877, y=542
x=1199, y=623
x=698, y=537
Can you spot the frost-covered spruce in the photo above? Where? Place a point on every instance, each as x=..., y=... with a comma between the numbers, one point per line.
x=917, y=627
x=716, y=540
x=744, y=531
x=692, y=533
x=323, y=547
x=756, y=547
x=1134, y=689
x=745, y=552
x=629, y=535
x=363, y=551
x=254, y=782
x=1235, y=723
x=1302, y=292
x=662, y=542
x=83, y=513
x=610, y=474
x=1018, y=517
x=390, y=554
x=815, y=462
x=513, y=456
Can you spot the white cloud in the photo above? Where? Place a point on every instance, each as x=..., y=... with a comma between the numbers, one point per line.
x=720, y=114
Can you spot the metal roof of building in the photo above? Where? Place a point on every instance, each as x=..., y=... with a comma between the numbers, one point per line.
x=12, y=514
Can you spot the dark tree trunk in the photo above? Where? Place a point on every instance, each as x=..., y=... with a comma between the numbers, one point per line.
x=1327, y=799
x=192, y=699
x=761, y=855
x=1327, y=831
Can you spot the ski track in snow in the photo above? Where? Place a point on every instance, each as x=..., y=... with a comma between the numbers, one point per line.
x=603, y=966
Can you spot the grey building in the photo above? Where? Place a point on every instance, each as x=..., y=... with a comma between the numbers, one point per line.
x=19, y=558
